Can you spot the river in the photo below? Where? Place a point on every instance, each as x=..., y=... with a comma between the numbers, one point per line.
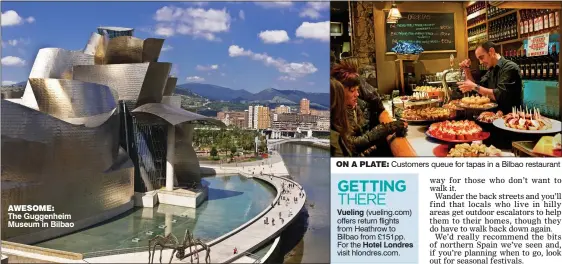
x=310, y=167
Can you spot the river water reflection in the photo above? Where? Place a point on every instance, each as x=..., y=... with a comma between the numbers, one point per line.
x=310, y=167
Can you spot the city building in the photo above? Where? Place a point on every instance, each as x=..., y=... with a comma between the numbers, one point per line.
x=237, y=119
x=282, y=109
x=321, y=113
x=259, y=117
x=323, y=124
x=250, y=116
x=307, y=118
x=305, y=106
x=246, y=118
x=288, y=117
x=264, y=120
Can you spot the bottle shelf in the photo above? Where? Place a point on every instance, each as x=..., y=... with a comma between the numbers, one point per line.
x=470, y=39
x=475, y=25
x=476, y=14
x=492, y=24
x=502, y=15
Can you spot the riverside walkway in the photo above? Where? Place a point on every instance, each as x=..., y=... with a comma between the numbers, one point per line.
x=251, y=235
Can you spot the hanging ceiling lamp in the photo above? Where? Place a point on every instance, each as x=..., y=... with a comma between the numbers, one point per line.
x=391, y=21
x=393, y=14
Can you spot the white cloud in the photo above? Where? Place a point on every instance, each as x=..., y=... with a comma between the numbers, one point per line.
x=318, y=31
x=194, y=79
x=164, y=31
x=274, y=36
x=196, y=22
x=8, y=82
x=207, y=68
x=13, y=61
x=291, y=69
x=167, y=48
x=12, y=18
x=16, y=42
x=275, y=4
x=287, y=78
x=312, y=9
x=305, y=54
x=241, y=15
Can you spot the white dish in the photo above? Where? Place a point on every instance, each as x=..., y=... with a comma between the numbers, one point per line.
x=556, y=127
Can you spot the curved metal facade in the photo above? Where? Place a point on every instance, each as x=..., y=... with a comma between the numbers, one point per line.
x=70, y=98
x=49, y=161
x=143, y=82
x=54, y=63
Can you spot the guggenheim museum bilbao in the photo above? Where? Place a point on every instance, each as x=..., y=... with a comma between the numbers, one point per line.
x=93, y=128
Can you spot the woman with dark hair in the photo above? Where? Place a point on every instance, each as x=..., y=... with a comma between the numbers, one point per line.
x=372, y=133
x=339, y=126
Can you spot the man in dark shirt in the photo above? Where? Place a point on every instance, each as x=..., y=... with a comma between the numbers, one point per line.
x=502, y=83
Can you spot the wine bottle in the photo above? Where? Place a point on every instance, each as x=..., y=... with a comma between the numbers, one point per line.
x=520, y=63
x=552, y=63
x=544, y=60
x=533, y=65
x=526, y=65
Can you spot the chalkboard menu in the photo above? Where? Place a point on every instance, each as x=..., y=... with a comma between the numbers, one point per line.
x=432, y=31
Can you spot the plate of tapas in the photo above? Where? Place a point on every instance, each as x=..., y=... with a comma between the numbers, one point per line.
x=416, y=97
x=475, y=149
x=453, y=105
x=457, y=131
x=489, y=117
x=477, y=102
x=427, y=114
x=528, y=121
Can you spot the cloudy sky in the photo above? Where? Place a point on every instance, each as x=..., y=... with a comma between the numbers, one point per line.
x=240, y=45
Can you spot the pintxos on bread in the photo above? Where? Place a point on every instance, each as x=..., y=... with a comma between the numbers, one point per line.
x=427, y=114
x=477, y=102
x=489, y=117
x=456, y=130
x=523, y=119
x=473, y=150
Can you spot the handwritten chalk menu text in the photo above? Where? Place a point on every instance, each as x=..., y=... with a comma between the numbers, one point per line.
x=432, y=31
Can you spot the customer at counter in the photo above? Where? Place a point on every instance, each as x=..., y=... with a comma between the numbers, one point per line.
x=501, y=83
x=364, y=140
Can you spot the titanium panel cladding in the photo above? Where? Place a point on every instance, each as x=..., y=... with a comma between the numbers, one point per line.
x=170, y=86
x=186, y=164
x=71, y=99
x=54, y=63
x=124, y=50
x=77, y=169
x=151, y=49
x=139, y=83
x=175, y=116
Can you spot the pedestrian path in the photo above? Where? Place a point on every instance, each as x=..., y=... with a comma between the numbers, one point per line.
x=250, y=236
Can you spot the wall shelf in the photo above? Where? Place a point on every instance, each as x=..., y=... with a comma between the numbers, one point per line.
x=502, y=15
x=513, y=42
x=475, y=25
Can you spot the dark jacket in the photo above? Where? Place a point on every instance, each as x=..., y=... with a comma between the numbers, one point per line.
x=337, y=145
x=364, y=141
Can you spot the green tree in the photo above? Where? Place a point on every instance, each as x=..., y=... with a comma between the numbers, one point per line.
x=233, y=150
x=214, y=152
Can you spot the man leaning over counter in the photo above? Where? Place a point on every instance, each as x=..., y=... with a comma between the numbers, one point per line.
x=502, y=82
